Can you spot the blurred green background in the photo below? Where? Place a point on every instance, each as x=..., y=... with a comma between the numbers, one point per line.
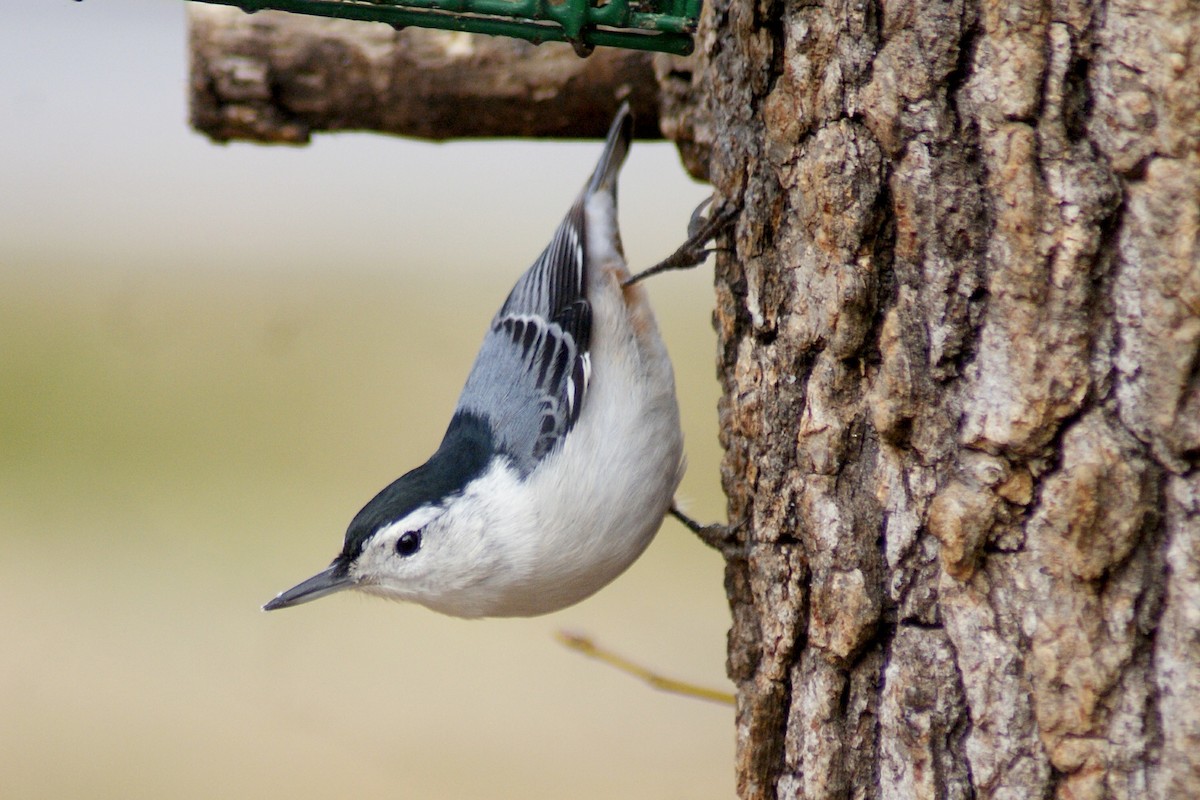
x=210, y=358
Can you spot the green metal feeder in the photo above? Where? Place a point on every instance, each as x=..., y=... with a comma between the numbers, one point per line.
x=663, y=25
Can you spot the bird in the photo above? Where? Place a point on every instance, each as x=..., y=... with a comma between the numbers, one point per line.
x=563, y=455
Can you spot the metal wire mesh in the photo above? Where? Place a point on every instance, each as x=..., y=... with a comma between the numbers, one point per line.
x=660, y=25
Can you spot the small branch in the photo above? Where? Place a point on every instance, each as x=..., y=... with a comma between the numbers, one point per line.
x=583, y=644
x=278, y=77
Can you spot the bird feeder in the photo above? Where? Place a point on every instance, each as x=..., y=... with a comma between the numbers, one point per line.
x=662, y=25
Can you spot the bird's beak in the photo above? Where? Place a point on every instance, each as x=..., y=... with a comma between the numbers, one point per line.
x=327, y=582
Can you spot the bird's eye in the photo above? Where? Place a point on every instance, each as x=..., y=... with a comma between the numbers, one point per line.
x=408, y=543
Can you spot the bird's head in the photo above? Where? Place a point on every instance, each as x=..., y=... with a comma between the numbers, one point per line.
x=423, y=538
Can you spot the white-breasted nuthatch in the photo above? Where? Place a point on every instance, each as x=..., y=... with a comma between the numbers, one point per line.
x=563, y=454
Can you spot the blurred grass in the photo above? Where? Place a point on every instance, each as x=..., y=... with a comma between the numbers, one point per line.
x=176, y=447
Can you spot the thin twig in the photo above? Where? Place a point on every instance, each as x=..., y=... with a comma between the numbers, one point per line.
x=585, y=645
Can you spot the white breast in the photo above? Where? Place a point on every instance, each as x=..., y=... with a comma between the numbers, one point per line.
x=595, y=504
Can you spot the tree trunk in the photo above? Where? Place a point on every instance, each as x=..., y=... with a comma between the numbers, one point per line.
x=960, y=343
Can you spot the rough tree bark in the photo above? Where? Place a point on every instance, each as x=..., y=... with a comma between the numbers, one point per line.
x=959, y=337
x=960, y=346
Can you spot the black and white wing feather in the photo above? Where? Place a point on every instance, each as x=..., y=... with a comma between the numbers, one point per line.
x=531, y=376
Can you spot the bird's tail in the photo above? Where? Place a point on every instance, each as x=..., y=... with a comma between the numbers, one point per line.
x=616, y=147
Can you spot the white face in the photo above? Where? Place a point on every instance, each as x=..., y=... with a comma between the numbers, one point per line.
x=475, y=555
x=429, y=557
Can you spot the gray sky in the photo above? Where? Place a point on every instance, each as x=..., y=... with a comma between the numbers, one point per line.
x=98, y=169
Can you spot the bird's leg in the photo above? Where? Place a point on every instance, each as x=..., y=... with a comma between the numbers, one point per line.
x=701, y=230
x=719, y=537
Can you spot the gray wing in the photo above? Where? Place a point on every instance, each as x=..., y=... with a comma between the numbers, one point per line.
x=531, y=375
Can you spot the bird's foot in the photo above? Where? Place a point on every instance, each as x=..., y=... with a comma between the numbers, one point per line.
x=702, y=229
x=722, y=538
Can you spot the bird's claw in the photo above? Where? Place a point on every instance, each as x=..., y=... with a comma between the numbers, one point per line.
x=722, y=538
x=702, y=229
